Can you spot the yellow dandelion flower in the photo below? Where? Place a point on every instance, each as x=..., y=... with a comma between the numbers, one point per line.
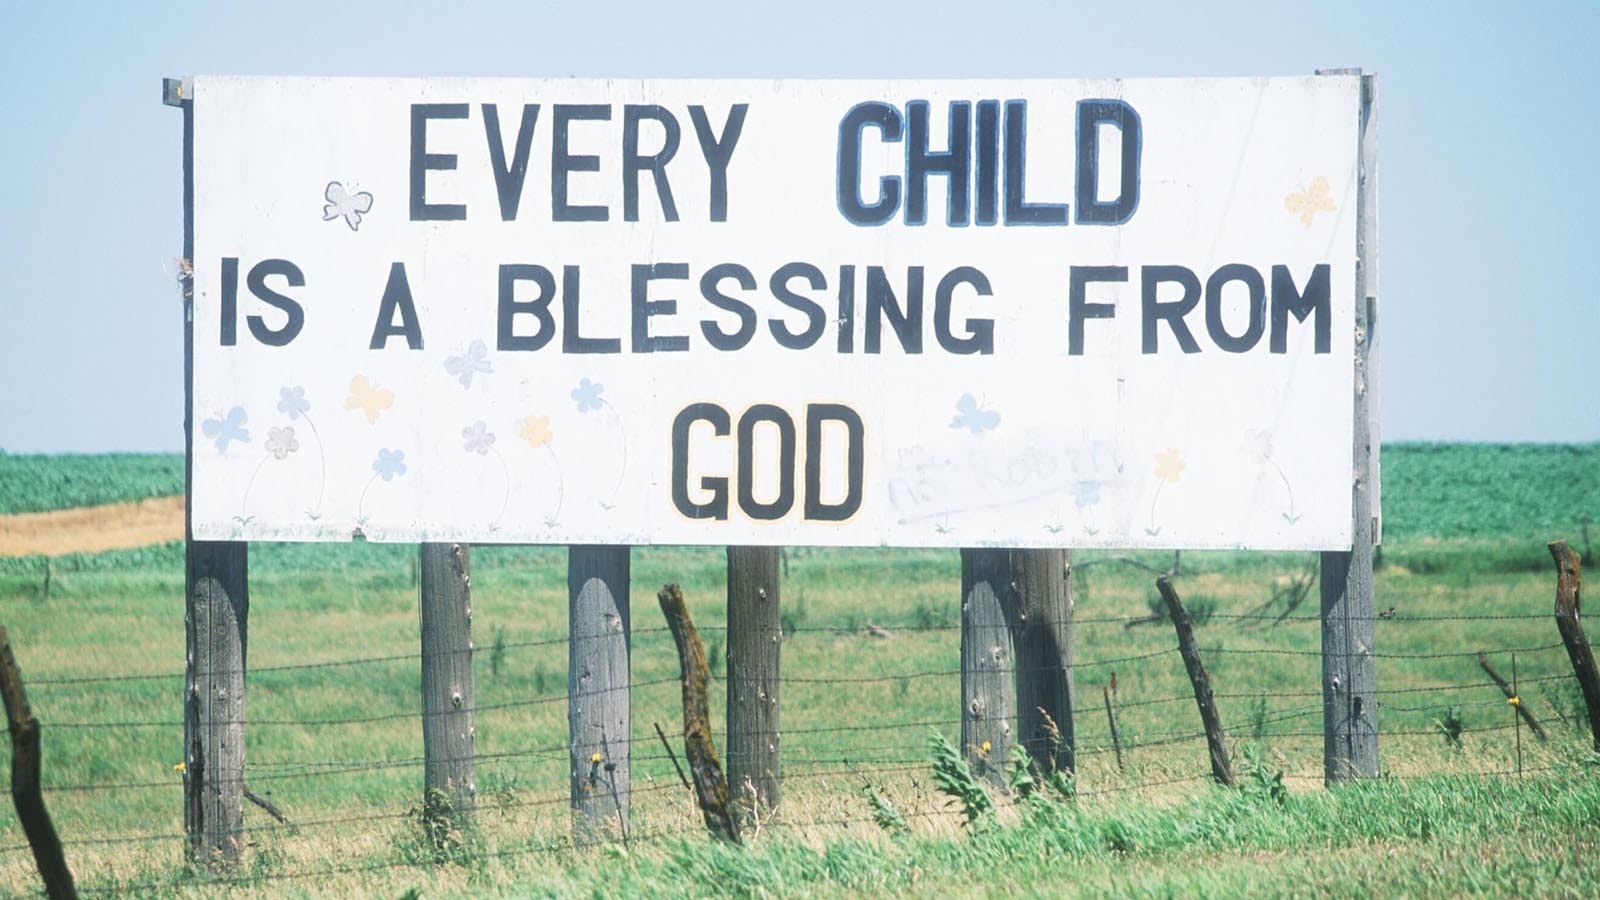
x=180, y=767
x=986, y=747
x=1513, y=701
x=536, y=431
x=596, y=759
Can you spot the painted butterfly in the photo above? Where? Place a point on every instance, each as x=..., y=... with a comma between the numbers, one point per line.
x=469, y=363
x=368, y=398
x=342, y=203
x=973, y=417
x=228, y=428
x=1313, y=200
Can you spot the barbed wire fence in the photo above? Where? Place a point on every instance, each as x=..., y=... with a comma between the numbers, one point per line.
x=324, y=772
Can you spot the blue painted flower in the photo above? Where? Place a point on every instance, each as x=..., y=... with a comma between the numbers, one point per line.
x=228, y=428
x=972, y=416
x=292, y=402
x=587, y=395
x=390, y=464
x=1085, y=493
x=477, y=439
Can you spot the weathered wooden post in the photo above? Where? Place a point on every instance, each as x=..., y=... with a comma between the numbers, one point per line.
x=1569, y=604
x=445, y=601
x=216, y=612
x=597, y=687
x=1042, y=580
x=755, y=643
x=1349, y=671
x=988, y=683
x=216, y=625
x=1016, y=658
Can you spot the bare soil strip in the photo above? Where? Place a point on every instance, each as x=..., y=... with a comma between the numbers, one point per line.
x=92, y=529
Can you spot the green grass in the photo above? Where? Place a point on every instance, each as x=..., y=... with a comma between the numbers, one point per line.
x=1435, y=825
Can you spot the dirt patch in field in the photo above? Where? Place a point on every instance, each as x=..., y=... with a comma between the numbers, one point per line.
x=92, y=529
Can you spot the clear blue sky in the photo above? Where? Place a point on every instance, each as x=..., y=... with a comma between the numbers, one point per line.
x=1490, y=161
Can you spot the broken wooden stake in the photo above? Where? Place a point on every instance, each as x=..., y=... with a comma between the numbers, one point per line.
x=1216, y=741
x=710, y=785
x=1116, y=733
x=1512, y=698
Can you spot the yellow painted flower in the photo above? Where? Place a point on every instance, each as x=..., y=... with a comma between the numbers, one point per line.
x=536, y=431
x=1169, y=464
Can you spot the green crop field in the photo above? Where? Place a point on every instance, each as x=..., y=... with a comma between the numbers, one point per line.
x=870, y=665
x=38, y=483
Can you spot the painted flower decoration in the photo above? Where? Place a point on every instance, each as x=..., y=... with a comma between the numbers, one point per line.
x=281, y=441
x=390, y=464
x=1085, y=493
x=536, y=431
x=587, y=395
x=477, y=439
x=292, y=402
x=1258, y=441
x=227, y=429
x=1170, y=464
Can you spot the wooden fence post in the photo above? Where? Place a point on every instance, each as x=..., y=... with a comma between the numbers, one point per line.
x=1569, y=603
x=1042, y=580
x=597, y=687
x=216, y=611
x=216, y=622
x=1349, y=670
x=25, y=790
x=988, y=682
x=445, y=601
x=755, y=644
x=1216, y=740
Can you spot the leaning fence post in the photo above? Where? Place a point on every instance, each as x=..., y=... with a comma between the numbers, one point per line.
x=1216, y=741
x=710, y=786
x=988, y=683
x=598, y=727
x=1042, y=580
x=1568, y=606
x=755, y=642
x=25, y=790
x=445, y=600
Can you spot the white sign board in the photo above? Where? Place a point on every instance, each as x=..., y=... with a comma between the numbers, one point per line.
x=1095, y=313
